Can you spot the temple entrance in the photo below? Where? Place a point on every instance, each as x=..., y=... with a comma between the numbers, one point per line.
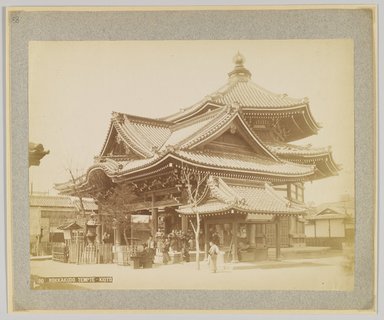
x=284, y=233
x=168, y=222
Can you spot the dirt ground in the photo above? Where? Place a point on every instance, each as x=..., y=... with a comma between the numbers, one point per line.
x=324, y=273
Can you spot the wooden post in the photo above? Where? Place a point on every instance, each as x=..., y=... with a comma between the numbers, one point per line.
x=329, y=228
x=184, y=224
x=252, y=235
x=154, y=221
x=277, y=224
x=154, y=216
x=98, y=234
x=117, y=236
x=289, y=192
x=235, y=257
x=102, y=227
x=205, y=222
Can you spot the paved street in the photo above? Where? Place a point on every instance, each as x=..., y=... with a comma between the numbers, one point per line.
x=299, y=274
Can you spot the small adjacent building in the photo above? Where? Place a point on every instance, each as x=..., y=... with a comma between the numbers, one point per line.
x=331, y=225
x=51, y=216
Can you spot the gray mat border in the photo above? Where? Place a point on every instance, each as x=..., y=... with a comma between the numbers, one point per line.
x=194, y=25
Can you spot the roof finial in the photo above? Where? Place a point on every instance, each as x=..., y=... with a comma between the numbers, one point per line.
x=239, y=59
x=239, y=73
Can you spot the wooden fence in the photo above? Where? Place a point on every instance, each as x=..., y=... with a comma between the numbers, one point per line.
x=59, y=252
x=79, y=252
x=41, y=249
x=105, y=254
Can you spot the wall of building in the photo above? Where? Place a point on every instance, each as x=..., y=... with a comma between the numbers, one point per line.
x=322, y=228
x=326, y=228
x=310, y=230
x=34, y=223
x=337, y=228
x=325, y=233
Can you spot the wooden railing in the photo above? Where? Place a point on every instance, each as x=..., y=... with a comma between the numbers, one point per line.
x=79, y=252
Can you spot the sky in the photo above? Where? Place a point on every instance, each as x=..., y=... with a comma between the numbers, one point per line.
x=74, y=86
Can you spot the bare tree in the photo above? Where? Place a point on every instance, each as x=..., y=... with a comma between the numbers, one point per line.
x=77, y=193
x=117, y=205
x=196, y=187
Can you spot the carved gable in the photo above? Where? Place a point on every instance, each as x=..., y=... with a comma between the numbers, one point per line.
x=116, y=146
x=235, y=139
x=229, y=142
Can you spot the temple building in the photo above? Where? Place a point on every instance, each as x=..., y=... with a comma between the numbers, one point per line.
x=239, y=140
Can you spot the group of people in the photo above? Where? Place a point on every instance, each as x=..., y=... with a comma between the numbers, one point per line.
x=175, y=241
x=179, y=242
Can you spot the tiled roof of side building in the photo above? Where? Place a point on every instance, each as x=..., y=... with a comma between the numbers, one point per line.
x=247, y=199
x=252, y=196
x=50, y=201
x=61, y=202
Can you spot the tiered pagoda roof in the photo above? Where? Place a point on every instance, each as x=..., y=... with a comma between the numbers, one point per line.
x=240, y=131
x=290, y=117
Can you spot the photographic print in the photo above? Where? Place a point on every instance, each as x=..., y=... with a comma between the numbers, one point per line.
x=190, y=164
x=192, y=179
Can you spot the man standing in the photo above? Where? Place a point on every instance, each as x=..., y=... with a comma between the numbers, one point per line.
x=151, y=246
x=213, y=252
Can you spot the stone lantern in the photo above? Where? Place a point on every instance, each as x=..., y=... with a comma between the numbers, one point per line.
x=91, y=229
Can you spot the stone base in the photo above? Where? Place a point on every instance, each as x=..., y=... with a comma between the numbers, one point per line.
x=175, y=257
x=192, y=256
x=159, y=258
x=253, y=254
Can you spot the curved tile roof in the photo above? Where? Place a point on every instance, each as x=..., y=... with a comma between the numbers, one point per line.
x=252, y=164
x=144, y=135
x=182, y=133
x=248, y=94
x=155, y=135
x=112, y=167
x=290, y=149
x=242, y=90
x=226, y=197
x=242, y=162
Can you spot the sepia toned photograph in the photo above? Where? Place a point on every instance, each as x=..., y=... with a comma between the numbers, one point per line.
x=170, y=165
x=159, y=156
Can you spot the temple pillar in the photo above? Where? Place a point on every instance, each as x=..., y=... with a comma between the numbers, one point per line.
x=252, y=235
x=155, y=213
x=206, y=248
x=184, y=224
x=277, y=225
x=155, y=220
x=235, y=257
